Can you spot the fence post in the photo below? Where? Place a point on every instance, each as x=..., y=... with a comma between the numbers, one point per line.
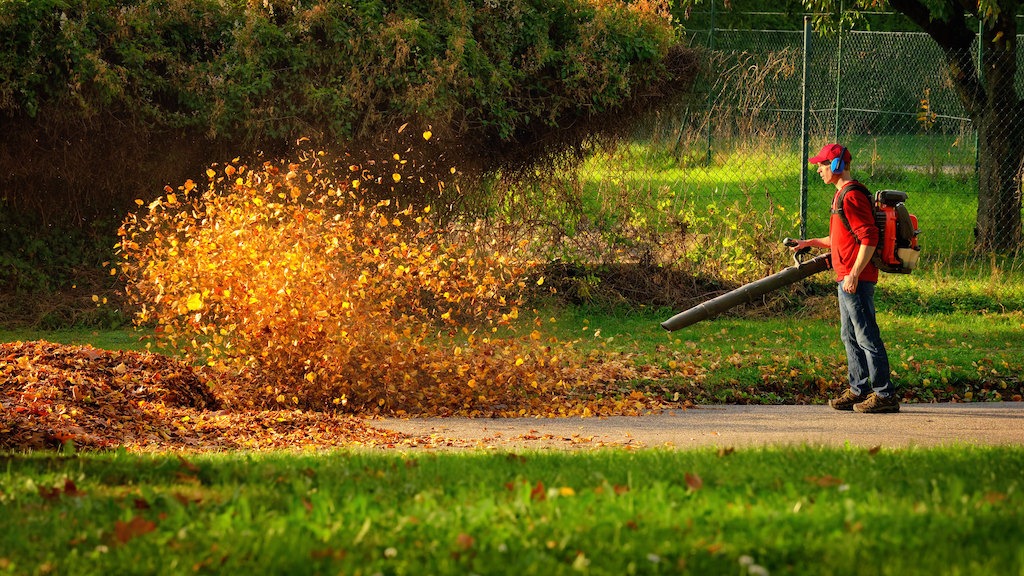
x=803, y=129
x=711, y=48
x=839, y=73
x=981, y=79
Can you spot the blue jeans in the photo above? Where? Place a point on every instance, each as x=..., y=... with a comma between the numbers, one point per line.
x=865, y=352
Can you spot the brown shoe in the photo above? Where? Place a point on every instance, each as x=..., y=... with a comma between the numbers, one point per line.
x=875, y=404
x=847, y=400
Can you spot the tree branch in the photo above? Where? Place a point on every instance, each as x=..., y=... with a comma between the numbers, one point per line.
x=954, y=38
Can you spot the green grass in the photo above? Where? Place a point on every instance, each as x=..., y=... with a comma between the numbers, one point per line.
x=117, y=339
x=795, y=510
x=936, y=171
x=955, y=355
x=968, y=350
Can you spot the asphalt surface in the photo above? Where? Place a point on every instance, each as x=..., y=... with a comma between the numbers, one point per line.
x=730, y=426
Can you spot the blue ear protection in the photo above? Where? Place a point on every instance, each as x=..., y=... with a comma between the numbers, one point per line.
x=839, y=164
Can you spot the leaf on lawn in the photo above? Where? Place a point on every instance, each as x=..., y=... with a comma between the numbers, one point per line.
x=825, y=481
x=694, y=482
x=538, y=492
x=49, y=493
x=465, y=541
x=994, y=497
x=137, y=526
x=71, y=490
x=187, y=465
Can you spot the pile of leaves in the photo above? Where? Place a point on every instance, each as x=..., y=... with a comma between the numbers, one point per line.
x=55, y=396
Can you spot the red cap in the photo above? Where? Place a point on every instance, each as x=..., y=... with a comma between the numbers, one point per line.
x=830, y=152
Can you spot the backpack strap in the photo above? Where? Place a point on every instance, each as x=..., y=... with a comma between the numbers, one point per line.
x=838, y=210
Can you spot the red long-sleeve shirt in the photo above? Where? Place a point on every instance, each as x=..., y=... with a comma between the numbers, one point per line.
x=861, y=214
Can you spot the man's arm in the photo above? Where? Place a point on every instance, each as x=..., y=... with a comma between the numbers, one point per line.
x=824, y=242
x=864, y=254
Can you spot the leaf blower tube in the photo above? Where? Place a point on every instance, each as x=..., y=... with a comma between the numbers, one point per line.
x=750, y=292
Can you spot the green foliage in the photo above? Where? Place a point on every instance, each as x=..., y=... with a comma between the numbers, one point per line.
x=34, y=259
x=285, y=69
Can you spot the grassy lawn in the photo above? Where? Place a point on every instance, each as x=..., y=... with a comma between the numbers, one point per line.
x=119, y=339
x=952, y=331
x=936, y=172
x=787, y=511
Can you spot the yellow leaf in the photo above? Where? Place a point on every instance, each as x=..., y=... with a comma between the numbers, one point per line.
x=540, y=281
x=211, y=173
x=427, y=134
x=355, y=183
x=396, y=177
x=195, y=302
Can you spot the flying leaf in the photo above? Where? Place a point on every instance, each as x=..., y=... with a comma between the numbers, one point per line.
x=195, y=302
x=427, y=134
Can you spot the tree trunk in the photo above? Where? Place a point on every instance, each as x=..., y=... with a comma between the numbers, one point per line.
x=1000, y=125
x=998, y=227
x=990, y=98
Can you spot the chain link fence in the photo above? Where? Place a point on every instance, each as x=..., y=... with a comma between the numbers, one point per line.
x=734, y=155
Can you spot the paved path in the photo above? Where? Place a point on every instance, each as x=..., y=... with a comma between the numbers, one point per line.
x=728, y=426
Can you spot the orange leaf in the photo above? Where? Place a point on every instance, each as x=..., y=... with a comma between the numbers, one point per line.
x=137, y=526
x=824, y=481
x=538, y=492
x=464, y=541
x=694, y=482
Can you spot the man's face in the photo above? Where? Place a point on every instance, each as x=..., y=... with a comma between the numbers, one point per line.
x=825, y=171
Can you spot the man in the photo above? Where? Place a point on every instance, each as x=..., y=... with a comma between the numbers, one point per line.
x=852, y=238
